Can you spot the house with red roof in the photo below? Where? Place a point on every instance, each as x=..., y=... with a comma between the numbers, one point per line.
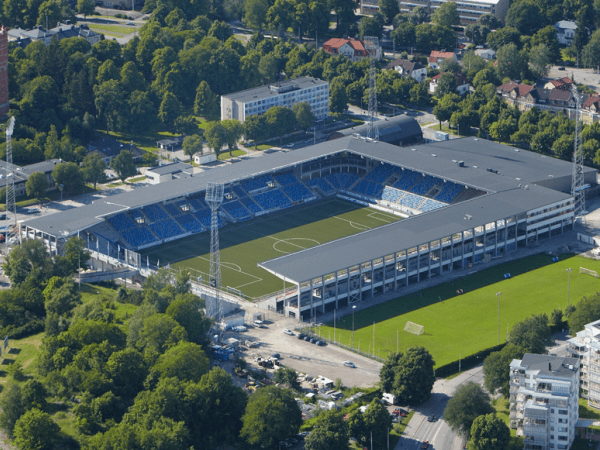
x=564, y=84
x=353, y=49
x=435, y=58
x=462, y=83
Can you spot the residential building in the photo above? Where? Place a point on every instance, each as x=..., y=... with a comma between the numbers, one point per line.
x=21, y=174
x=172, y=143
x=108, y=148
x=62, y=31
x=586, y=346
x=544, y=393
x=462, y=83
x=4, y=95
x=240, y=105
x=486, y=53
x=564, y=84
x=354, y=49
x=565, y=31
x=406, y=68
x=369, y=6
x=436, y=58
x=468, y=10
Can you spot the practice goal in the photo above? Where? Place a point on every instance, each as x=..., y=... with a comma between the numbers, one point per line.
x=414, y=328
x=588, y=272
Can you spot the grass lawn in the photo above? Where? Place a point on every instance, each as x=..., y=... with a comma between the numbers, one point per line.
x=244, y=245
x=461, y=325
x=501, y=405
x=112, y=30
x=225, y=155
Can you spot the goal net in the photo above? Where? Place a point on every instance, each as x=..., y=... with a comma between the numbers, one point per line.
x=414, y=328
x=588, y=272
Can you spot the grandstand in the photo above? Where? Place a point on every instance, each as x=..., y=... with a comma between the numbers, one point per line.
x=466, y=201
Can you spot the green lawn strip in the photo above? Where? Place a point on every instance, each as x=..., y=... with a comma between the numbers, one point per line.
x=243, y=246
x=502, y=411
x=462, y=325
x=398, y=429
x=137, y=179
x=112, y=30
x=226, y=155
x=586, y=412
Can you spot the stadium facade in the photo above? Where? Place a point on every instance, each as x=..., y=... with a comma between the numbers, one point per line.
x=465, y=202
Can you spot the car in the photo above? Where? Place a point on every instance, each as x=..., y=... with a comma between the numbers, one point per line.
x=240, y=328
x=276, y=355
x=288, y=145
x=321, y=343
x=258, y=322
x=301, y=336
x=425, y=444
x=431, y=418
x=313, y=341
x=288, y=332
x=2, y=216
x=349, y=364
x=131, y=24
x=284, y=444
x=307, y=338
x=561, y=68
x=304, y=433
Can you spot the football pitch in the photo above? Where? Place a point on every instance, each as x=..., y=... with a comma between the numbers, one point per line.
x=245, y=244
x=457, y=326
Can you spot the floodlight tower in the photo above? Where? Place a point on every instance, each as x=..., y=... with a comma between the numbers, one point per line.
x=214, y=198
x=578, y=179
x=371, y=45
x=9, y=176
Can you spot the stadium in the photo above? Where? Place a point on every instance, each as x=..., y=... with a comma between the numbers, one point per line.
x=413, y=213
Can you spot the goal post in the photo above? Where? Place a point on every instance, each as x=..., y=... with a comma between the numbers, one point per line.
x=414, y=328
x=588, y=272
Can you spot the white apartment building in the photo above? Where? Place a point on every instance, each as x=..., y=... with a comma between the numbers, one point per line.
x=468, y=10
x=544, y=392
x=586, y=346
x=242, y=104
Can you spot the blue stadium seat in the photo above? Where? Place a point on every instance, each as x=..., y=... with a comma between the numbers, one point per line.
x=251, y=205
x=341, y=180
x=166, y=228
x=189, y=223
x=411, y=200
x=204, y=216
x=274, y=199
x=256, y=183
x=367, y=188
x=236, y=210
x=448, y=192
x=239, y=191
x=155, y=213
x=381, y=173
x=121, y=222
x=391, y=195
x=138, y=236
x=321, y=184
x=430, y=205
x=173, y=209
x=424, y=184
x=198, y=204
x=286, y=178
x=297, y=192
x=407, y=179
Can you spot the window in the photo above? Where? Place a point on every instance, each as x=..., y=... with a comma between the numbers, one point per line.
x=562, y=411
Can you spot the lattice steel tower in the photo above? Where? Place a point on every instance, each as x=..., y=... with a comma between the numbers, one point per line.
x=9, y=176
x=371, y=45
x=578, y=179
x=214, y=198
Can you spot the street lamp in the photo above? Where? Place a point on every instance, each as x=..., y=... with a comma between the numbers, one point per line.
x=60, y=188
x=498, y=294
x=569, y=285
x=353, y=308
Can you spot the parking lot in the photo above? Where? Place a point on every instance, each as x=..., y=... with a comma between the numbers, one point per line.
x=589, y=77
x=305, y=357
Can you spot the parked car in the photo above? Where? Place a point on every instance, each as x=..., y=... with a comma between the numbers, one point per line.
x=301, y=336
x=307, y=338
x=349, y=364
x=313, y=341
x=288, y=332
x=321, y=343
x=425, y=444
x=276, y=355
x=431, y=418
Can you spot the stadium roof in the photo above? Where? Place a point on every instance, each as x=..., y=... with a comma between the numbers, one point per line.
x=390, y=129
x=423, y=228
x=515, y=167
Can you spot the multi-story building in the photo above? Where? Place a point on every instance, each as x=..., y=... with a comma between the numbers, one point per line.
x=406, y=68
x=369, y=6
x=544, y=393
x=468, y=10
x=565, y=31
x=240, y=105
x=23, y=38
x=586, y=346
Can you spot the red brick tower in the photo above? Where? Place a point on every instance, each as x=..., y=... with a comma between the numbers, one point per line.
x=4, y=104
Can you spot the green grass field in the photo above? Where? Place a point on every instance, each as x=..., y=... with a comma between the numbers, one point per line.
x=248, y=243
x=461, y=325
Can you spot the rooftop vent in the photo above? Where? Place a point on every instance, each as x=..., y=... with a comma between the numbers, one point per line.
x=468, y=217
x=475, y=139
x=434, y=155
x=460, y=164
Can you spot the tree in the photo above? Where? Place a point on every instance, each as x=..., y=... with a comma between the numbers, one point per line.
x=280, y=120
x=502, y=37
x=30, y=258
x=468, y=402
x=547, y=36
x=477, y=33
x=369, y=26
x=109, y=101
x=286, y=375
x=524, y=16
x=68, y=175
x=446, y=84
x=446, y=15
x=329, y=433
x=186, y=309
x=489, y=432
x=33, y=395
x=495, y=368
x=192, y=144
x=123, y=165
x=413, y=375
x=233, y=133
x=338, y=97
x=85, y=7
x=36, y=185
x=255, y=13
x=169, y=109
x=531, y=334
x=206, y=103
x=255, y=128
x=93, y=169
x=556, y=317
x=389, y=9
x=36, y=430
x=446, y=106
x=377, y=423
x=511, y=62
x=216, y=136
x=185, y=361
x=127, y=370
x=159, y=333
x=304, y=116
x=12, y=408
x=587, y=310
x=271, y=415
x=590, y=55
x=405, y=35
x=540, y=60
x=419, y=15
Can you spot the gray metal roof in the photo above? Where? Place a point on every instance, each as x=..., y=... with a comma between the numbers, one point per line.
x=477, y=154
x=393, y=128
x=423, y=228
x=175, y=167
x=559, y=365
x=265, y=91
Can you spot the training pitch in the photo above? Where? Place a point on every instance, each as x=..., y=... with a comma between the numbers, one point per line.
x=245, y=244
x=456, y=325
